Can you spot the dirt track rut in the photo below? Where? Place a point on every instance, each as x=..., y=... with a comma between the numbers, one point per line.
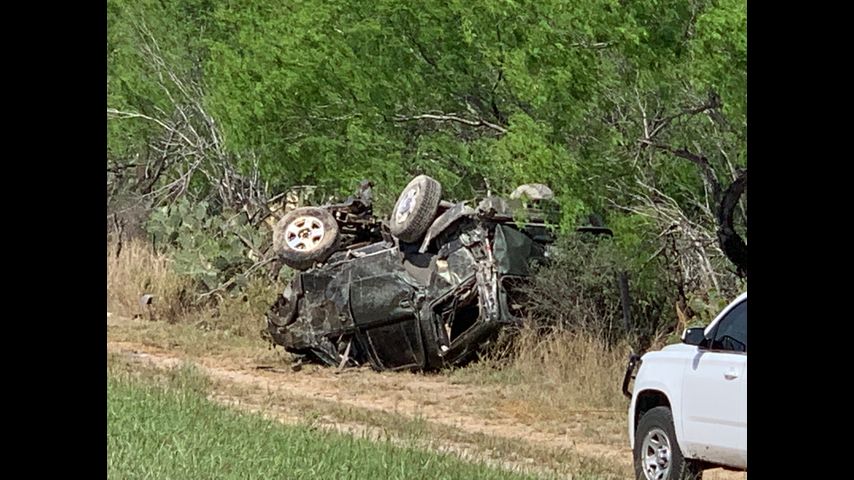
x=432, y=399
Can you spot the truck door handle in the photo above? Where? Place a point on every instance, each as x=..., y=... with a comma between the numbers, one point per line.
x=730, y=375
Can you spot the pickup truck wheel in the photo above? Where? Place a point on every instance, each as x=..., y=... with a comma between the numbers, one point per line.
x=657, y=455
x=415, y=209
x=304, y=236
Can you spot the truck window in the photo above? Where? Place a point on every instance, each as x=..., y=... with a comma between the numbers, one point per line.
x=731, y=332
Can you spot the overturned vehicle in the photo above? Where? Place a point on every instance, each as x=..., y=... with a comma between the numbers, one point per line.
x=426, y=289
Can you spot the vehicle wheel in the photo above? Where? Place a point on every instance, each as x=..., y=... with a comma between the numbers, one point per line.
x=304, y=236
x=657, y=455
x=415, y=209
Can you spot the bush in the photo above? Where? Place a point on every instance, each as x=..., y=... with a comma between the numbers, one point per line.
x=216, y=251
x=579, y=292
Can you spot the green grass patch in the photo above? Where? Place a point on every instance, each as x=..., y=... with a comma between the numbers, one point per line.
x=164, y=427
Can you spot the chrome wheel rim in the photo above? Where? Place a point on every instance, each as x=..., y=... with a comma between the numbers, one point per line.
x=656, y=455
x=304, y=233
x=406, y=204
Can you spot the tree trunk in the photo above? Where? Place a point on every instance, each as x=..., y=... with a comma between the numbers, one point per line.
x=733, y=246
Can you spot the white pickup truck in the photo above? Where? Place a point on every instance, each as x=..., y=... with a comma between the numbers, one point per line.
x=688, y=408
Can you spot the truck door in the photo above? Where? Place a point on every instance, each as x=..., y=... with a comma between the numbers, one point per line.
x=714, y=398
x=383, y=309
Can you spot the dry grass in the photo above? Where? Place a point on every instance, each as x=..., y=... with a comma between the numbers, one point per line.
x=241, y=314
x=196, y=342
x=137, y=271
x=550, y=376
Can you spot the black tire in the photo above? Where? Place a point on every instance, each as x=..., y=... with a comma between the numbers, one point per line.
x=415, y=209
x=304, y=236
x=657, y=424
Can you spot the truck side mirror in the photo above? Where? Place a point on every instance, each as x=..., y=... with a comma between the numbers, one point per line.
x=694, y=336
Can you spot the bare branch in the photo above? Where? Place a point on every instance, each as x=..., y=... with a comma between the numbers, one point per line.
x=701, y=161
x=646, y=134
x=713, y=102
x=690, y=245
x=592, y=46
x=452, y=118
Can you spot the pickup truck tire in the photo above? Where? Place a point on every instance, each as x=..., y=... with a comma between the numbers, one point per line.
x=415, y=209
x=304, y=236
x=657, y=455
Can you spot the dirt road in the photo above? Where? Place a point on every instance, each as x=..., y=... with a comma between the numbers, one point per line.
x=366, y=403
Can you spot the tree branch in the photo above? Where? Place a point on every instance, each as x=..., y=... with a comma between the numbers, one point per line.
x=731, y=242
x=713, y=102
x=452, y=118
x=701, y=161
x=592, y=46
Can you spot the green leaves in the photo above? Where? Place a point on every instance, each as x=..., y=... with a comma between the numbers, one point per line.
x=206, y=247
x=314, y=86
x=315, y=91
